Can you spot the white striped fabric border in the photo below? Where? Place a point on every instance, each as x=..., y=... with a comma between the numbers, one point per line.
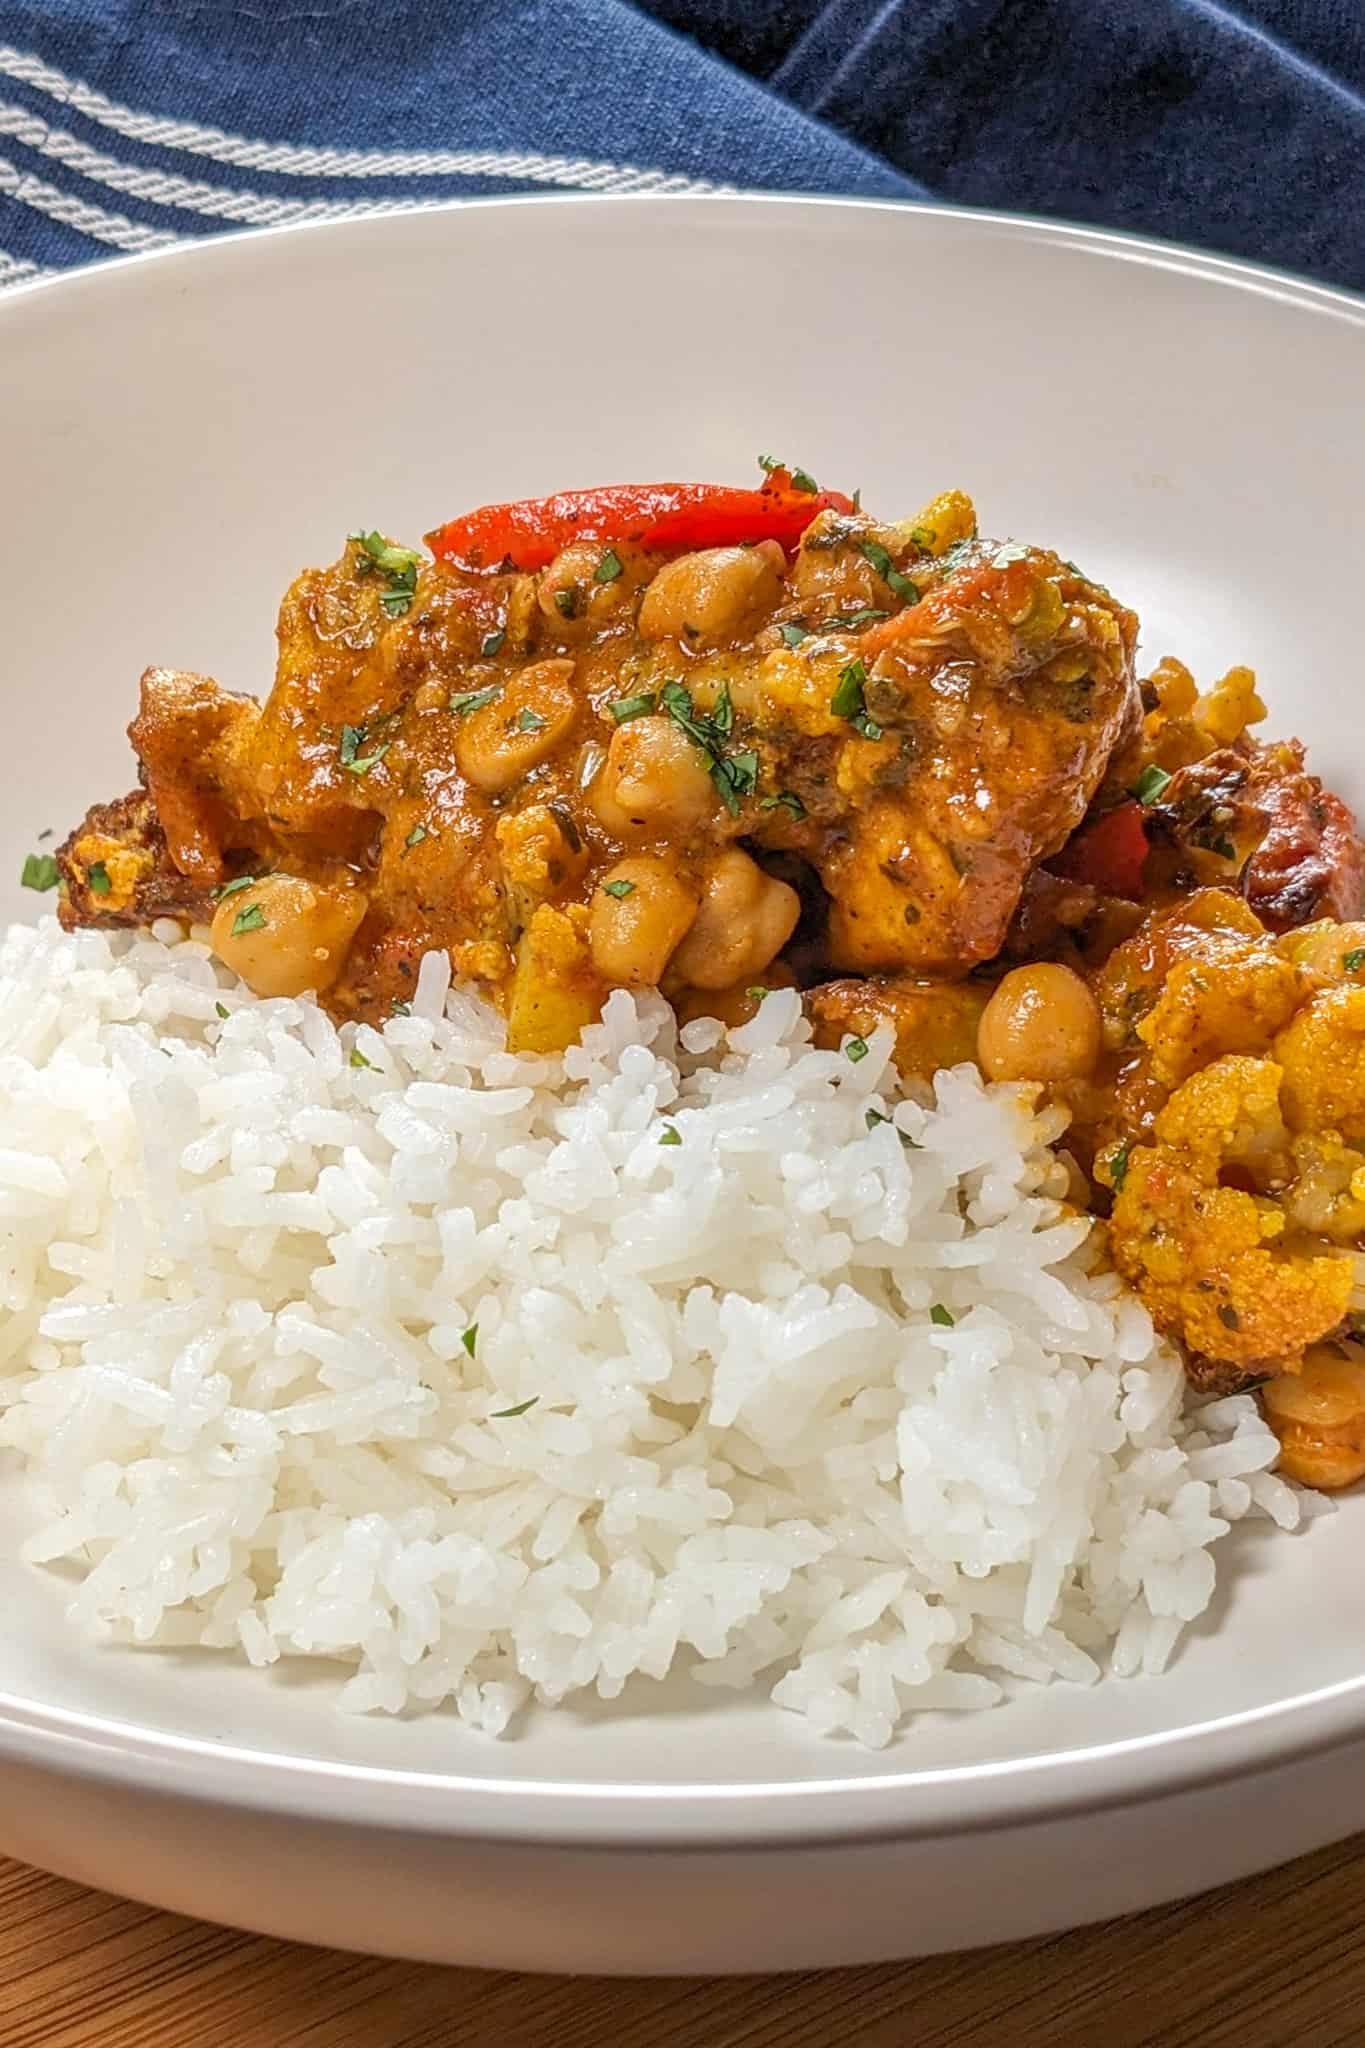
x=304, y=160
x=14, y=269
x=114, y=228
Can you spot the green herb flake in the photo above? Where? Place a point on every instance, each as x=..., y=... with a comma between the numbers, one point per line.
x=531, y=721
x=873, y=1117
x=853, y=622
x=470, y=1338
x=492, y=643
x=1151, y=784
x=880, y=558
x=1223, y=847
x=97, y=875
x=723, y=711
x=923, y=537
x=856, y=1049
x=802, y=480
x=566, y=602
x=1118, y=1165
x=504, y=1414
x=758, y=994
x=401, y=1009
x=670, y=1135
x=638, y=706
x=847, y=701
x=231, y=888
x=416, y=836
x=941, y=1316
x=768, y=463
x=352, y=740
x=794, y=633
x=735, y=776
x=1354, y=960
x=252, y=919
x=397, y=565
x=619, y=888
x=40, y=871
x=222, y=1010
x=608, y=569
x=358, y=1058
x=787, y=800
x=474, y=700
x=362, y=763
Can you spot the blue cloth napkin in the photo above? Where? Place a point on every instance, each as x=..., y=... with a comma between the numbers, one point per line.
x=131, y=124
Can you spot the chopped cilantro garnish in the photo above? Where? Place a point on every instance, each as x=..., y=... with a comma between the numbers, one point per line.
x=1222, y=846
x=352, y=740
x=222, y=1009
x=608, y=569
x=670, y=1135
x=470, y=1338
x=768, y=463
x=492, y=642
x=474, y=700
x=40, y=871
x=942, y=1316
x=358, y=1058
x=363, y=763
x=758, y=995
x=853, y=622
x=735, y=776
x=785, y=799
x=619, y=888
x=880, y=558
x=794, y=633
x=638, y=706
x=848, y=702
x=856, y=1049
x=531, y=721
x=1118, y=1165
x=416, y=836
x=1354, y=960
x=922, y=536
x=249, y=920
x=802, y=480
x=97, y=875
x=231, y=888
x=398, y=566
x=873, y=1117
x=502, y=1414
x=1150, y=784
x=566, y=602
x=400, y=1009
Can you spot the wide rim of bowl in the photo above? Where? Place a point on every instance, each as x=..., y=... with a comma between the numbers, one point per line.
x=910, y=1804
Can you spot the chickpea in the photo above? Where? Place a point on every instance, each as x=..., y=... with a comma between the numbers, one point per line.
x=706, y=597
x=284, y=935
x=573, y=593
x=522, y=726
x=746, y=917
x=639, y=913
x=655, y=776
x=1041, y=1024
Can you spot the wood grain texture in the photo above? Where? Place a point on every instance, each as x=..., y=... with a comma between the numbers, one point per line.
x=1256, y=1965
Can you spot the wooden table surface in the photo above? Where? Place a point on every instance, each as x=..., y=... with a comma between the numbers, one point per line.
x=1275, y=1963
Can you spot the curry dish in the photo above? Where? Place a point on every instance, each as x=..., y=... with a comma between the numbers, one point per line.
x=720, y=740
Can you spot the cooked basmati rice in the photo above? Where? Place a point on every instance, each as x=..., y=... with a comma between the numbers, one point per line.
x=499, y=1378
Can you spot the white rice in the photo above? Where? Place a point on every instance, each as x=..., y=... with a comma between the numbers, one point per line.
x=267, y=1291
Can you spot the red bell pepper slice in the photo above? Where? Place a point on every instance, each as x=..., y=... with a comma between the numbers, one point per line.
x=530, y=532
x=1109, y=853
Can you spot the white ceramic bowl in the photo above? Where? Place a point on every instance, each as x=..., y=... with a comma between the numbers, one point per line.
x=179, y=434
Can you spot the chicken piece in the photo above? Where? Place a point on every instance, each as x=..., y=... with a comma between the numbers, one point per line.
x=1209, y=1259
x=1311, y=862
x=935, y=1022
